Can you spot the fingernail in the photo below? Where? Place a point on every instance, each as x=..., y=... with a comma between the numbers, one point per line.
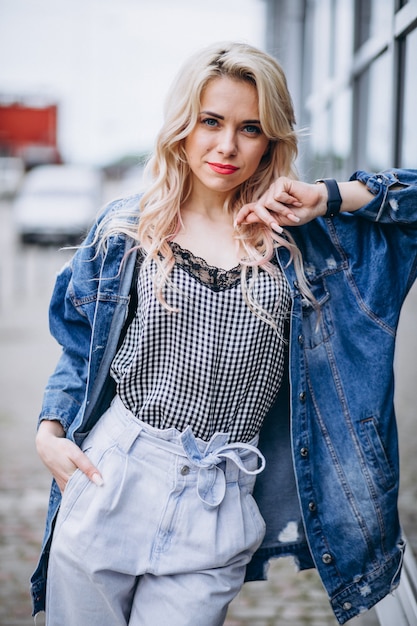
x=97, y=480
x=293, y=217
x=277, y=227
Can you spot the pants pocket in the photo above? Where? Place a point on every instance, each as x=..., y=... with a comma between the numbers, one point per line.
x=257, y=520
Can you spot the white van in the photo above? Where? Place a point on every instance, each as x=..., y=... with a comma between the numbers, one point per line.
x=57, y=204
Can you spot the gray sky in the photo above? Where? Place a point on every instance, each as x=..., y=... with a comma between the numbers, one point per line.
x=109, y=62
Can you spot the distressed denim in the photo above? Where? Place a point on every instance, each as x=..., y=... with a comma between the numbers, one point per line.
x=329, y=491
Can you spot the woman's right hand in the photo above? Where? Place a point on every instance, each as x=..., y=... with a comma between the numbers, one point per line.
x=62, y=456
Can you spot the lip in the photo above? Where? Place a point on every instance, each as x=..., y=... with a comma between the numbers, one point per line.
x=223, y=168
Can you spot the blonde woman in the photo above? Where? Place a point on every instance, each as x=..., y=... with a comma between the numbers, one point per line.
x=175, y=318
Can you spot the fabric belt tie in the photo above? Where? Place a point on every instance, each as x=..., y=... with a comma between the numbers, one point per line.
x=211, y=481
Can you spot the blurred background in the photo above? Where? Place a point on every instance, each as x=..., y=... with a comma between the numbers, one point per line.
x=82, y=86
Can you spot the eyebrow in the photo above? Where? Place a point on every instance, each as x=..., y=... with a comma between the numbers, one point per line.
x=221, y=117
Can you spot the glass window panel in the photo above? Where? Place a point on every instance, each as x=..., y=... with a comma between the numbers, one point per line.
x=363, y=20
x=409, y=126
x=308, y=60
x=343, y=39
x=320, y=132
x=374, y=17
x=381, y=17
x=331, y=138
x=341, y=135
x=375, y=116
x=321, y=43
x=329, y=152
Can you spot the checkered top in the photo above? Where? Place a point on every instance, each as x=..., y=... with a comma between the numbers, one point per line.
x=213, y=365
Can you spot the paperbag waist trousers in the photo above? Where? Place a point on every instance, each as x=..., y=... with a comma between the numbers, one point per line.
x=166, y=539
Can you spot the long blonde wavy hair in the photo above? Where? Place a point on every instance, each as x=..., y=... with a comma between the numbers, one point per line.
x=168, y=171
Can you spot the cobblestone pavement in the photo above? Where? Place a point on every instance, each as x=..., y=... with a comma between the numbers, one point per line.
x=27, y=357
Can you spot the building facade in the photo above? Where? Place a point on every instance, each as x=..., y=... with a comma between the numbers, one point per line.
x=352, y=71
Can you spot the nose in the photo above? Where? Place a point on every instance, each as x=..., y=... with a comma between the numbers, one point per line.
x=227, y=143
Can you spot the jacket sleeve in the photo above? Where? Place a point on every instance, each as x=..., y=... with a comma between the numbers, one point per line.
x=71, y=320
x=395, y=192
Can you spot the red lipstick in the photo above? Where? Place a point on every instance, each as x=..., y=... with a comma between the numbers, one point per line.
x=223, y=168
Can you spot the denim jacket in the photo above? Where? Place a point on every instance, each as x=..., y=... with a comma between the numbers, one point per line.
x=329, y=492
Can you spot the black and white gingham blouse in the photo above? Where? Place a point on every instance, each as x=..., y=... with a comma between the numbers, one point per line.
x=214, y=365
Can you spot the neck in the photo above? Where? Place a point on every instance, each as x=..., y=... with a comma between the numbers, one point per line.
x=206, y=204
x=206, y=211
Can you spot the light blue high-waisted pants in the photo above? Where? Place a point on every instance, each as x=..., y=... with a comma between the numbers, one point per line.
x=165, y=540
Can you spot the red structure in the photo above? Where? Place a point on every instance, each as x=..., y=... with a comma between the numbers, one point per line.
x=29, y=132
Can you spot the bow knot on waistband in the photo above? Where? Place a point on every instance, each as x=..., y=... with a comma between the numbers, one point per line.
x=211, y=483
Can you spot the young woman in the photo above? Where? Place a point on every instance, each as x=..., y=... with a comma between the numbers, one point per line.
x=182, y=318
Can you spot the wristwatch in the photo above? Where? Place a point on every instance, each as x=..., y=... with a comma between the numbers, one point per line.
x=334, y=199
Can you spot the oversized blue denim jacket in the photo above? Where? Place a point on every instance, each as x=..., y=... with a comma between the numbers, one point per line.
x=329, y=492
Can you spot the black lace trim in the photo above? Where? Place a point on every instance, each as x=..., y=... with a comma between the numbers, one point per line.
x=213, y=277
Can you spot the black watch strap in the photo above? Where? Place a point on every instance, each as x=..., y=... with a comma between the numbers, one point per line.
x=334, y=199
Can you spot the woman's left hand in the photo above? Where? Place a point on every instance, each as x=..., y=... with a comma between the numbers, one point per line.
x=287, y=202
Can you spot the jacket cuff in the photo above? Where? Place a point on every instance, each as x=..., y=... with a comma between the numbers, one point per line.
x=376, y=183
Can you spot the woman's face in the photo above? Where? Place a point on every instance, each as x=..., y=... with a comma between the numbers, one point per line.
x=227, y=144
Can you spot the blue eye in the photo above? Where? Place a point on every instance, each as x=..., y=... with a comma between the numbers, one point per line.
x=209, y=121
x=251, y=129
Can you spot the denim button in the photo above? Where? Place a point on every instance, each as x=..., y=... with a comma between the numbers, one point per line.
x=304, y=452
x=327, y=558
x=346, y=606
x=185, y=470
x=300, y=339
x=302, y=396
x=312, y=506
